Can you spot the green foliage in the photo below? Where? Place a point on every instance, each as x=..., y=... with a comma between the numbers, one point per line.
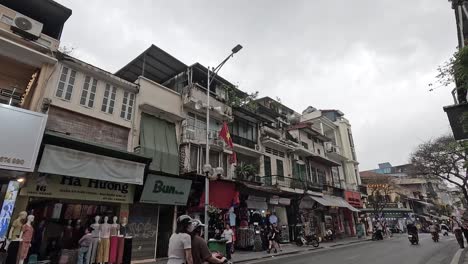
x=455, y=70
x=246, y=171
x=236, y=98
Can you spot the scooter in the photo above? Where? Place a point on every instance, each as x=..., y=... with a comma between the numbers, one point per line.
x=435, y=236
x=307, y=240
x=413, y=239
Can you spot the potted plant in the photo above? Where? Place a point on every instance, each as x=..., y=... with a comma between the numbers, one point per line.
x=246, y=172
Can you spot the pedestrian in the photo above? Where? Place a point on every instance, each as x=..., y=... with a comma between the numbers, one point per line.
x=278, y=236
x=228, y=234
x=457, y=230
x=84, y=244
x=180, y=243
x=272, y=240
x=200, y=251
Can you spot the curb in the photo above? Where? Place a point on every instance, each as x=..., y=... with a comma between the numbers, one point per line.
x=300, y=251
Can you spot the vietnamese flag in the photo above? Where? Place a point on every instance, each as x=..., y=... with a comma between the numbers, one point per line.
x=226, y=136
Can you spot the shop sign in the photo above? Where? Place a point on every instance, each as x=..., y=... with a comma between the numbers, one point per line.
x=67, y=187
x=8, y=206
x=353, y=198
x=165, y=190
x=274, y=199
x=22, y=132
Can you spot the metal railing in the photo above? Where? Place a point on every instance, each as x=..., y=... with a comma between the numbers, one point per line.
x=291, y=182
x=243, y=141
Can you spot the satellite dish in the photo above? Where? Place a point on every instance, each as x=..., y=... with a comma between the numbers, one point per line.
x=198, y=105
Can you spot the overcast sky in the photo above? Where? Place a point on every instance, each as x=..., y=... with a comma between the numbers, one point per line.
x=371, y=59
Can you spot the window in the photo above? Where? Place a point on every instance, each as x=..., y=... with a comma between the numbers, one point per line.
x=127, y=105
x=280, y=170
x=66, y=82
x=305, y=145
x=309, y=136
x=321, y=176
x=274, y=152
x=108, y=101
x=318, y=151
x=89, y=92
x=313, y=174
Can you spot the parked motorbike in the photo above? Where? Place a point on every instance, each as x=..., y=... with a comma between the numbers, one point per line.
x=435, y=236
x=413, y=239
x=307, y=240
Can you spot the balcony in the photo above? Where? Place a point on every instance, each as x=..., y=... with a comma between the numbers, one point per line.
x=293, y=183
x=278, y=143
x=195, y=94
x=334, y=152
x=244, y=141
x=196, y=135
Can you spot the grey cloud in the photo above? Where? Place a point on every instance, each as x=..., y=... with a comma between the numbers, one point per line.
x=371, y=59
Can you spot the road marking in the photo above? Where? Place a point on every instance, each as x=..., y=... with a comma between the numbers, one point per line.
x=456, y=257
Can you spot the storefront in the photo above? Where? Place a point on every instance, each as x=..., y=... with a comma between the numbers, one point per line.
x=161, y=198
x=77, y=185
x=339, y=215
x=22, y=133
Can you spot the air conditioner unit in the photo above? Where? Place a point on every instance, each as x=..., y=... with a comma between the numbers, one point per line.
x=26, y=26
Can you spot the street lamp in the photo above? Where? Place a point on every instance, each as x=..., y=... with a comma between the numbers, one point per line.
x=207, y=167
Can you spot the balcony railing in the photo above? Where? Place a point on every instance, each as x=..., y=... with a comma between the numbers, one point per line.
x=243, y=141
x=290, y=182
x=198, y=135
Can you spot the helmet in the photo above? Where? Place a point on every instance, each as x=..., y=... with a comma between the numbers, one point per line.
x=197, y=223
x=184, y=218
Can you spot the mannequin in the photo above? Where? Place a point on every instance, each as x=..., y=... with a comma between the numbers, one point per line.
x=125, y=250
x=17, y=225
x=114, y=240
x=96, y=227
x=13, y=237
x=122, y=234
x=26, y=236
x=104, y=243
x=67, y=236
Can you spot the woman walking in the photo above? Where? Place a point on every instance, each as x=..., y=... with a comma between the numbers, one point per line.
x=180, y=245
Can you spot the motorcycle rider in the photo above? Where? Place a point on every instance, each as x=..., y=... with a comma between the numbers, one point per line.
x=200, y=251
x=434, y=230
x=412, y=230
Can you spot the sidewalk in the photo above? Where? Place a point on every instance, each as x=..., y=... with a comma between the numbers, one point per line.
x=464, y=257
x=243, y=256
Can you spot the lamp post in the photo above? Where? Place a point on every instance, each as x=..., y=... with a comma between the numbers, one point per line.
x=207, y=167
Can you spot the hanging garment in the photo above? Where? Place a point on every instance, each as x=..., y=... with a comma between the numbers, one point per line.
x=12, y=252
x=103, y=251
x=67, y=238
x=76, y=211
x=127, y=255
x=120, y=250
x=26, y=242
x=114, y=243
x=68, y=212
x=91, y=258
x=57, y=211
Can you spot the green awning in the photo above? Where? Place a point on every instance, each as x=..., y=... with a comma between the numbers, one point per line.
x=158, y=140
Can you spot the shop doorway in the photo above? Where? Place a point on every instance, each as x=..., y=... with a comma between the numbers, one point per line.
x=166, y=222
x=143, y=226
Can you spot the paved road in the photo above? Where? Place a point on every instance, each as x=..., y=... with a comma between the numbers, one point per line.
x=393, y=251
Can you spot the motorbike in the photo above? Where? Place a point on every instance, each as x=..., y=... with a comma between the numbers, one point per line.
x=413, y=239
x=307, y=240
x=435, y=236
x=377, y=235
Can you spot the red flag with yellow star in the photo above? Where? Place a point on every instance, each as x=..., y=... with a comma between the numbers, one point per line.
x=224, y=134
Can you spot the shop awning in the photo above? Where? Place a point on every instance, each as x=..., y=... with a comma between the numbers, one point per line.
x=222, y=194
x=70, y=162
x=255, y=202
x=328, y=200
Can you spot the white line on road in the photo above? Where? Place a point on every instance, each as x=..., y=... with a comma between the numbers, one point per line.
x=456, y=257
